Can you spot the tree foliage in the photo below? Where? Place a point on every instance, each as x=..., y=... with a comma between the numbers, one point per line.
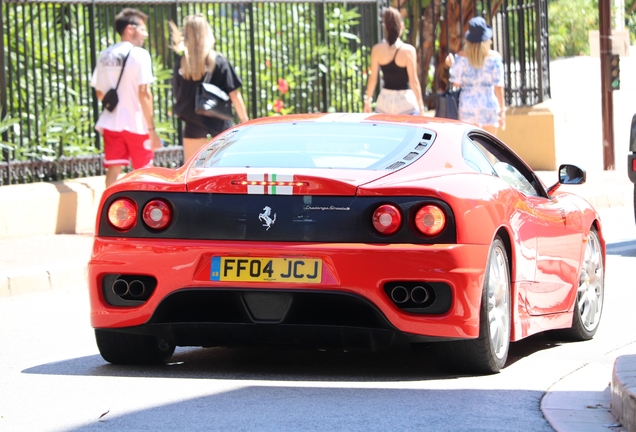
x=569, y=22
x=293, y=57
x=630, y=19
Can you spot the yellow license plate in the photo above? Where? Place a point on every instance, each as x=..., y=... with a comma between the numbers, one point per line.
x=250, y=269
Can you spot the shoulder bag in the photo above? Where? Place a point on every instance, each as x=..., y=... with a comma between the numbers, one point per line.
x=448, y=104
x=110, y=99
x=211, y=101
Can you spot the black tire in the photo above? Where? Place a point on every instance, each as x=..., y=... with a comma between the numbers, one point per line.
x=481, y=355
x=131, y=349
x=584, y=326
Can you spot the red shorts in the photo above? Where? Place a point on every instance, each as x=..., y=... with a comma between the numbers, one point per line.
x=121, y=148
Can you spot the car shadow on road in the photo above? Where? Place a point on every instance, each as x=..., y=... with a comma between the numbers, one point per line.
x=400, y=363
x=623, y=248
x=264, y=363
x=531, y=345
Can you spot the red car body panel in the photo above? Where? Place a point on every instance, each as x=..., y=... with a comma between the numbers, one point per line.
x=546, y=239
x=184, y=264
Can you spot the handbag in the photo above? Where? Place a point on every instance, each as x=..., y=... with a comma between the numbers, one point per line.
x=211, y=101
x=448, y=104
x=110, y=99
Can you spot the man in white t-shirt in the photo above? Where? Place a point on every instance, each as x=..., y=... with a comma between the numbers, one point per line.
x=128, y=130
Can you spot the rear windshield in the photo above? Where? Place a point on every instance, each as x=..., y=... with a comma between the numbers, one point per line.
x=315, y=145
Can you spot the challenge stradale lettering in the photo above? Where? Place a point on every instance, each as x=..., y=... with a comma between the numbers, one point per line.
x=327, y=208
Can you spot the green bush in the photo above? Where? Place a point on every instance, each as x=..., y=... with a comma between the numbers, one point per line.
x=292, y=57
x=568, y=24
x=630, y=22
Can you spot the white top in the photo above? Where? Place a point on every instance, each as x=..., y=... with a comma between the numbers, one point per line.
x=128, y=114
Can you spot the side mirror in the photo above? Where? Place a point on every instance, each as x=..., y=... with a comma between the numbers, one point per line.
x=568, y=175
x=571, y=175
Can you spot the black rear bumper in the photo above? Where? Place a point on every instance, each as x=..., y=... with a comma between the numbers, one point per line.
x=233, y=318
x=284, y=335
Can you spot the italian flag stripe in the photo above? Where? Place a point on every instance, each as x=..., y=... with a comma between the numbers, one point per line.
x=270, y=189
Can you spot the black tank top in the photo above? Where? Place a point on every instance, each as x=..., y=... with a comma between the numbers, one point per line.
x=394, y=76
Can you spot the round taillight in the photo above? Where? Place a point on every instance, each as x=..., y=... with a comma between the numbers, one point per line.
x=430, y=220
x=387, y=219
x=157, y=214
x=122, y=214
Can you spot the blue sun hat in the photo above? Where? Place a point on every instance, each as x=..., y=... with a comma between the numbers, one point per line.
x=478, y=30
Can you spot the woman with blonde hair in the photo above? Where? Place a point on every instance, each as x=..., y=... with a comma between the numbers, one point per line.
x=401, y=92
x=478, y=71
x=196, y=57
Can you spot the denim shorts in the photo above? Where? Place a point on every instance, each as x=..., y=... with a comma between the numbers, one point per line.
x=397, y=102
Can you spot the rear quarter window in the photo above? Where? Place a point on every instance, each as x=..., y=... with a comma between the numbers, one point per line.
x=475, y=158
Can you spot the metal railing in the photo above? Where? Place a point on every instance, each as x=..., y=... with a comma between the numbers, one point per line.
x=520, y=35
x=48, y=50
x=320, y=48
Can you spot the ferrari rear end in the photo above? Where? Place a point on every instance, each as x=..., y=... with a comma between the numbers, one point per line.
x=282, y=246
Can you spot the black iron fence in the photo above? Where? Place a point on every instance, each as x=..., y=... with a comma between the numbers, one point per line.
x=520, y=35
x=320, y=49
x=316, y=51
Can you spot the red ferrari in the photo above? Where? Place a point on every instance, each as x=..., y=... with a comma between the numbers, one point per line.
x=345, y=231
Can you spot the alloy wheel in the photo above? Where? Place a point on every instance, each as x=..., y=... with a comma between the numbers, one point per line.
x=499, y=303
x=590, y=291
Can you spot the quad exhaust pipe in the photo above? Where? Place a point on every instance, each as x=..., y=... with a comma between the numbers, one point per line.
x=135, y=288
x=418, y=294
x=399, y=294
x=128, y=290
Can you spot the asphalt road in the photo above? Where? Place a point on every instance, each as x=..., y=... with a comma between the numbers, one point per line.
x=52, y=377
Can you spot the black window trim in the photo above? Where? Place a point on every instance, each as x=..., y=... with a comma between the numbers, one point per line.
x=508, y=154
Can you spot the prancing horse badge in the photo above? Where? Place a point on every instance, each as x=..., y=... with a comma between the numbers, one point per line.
x=265, y=217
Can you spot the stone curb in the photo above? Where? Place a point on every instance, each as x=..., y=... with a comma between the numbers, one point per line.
x=61, y=207
x=578, y=400
x=42, y=278
x=624, y=391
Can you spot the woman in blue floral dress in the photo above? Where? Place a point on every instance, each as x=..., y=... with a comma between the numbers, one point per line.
x=478, y=71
